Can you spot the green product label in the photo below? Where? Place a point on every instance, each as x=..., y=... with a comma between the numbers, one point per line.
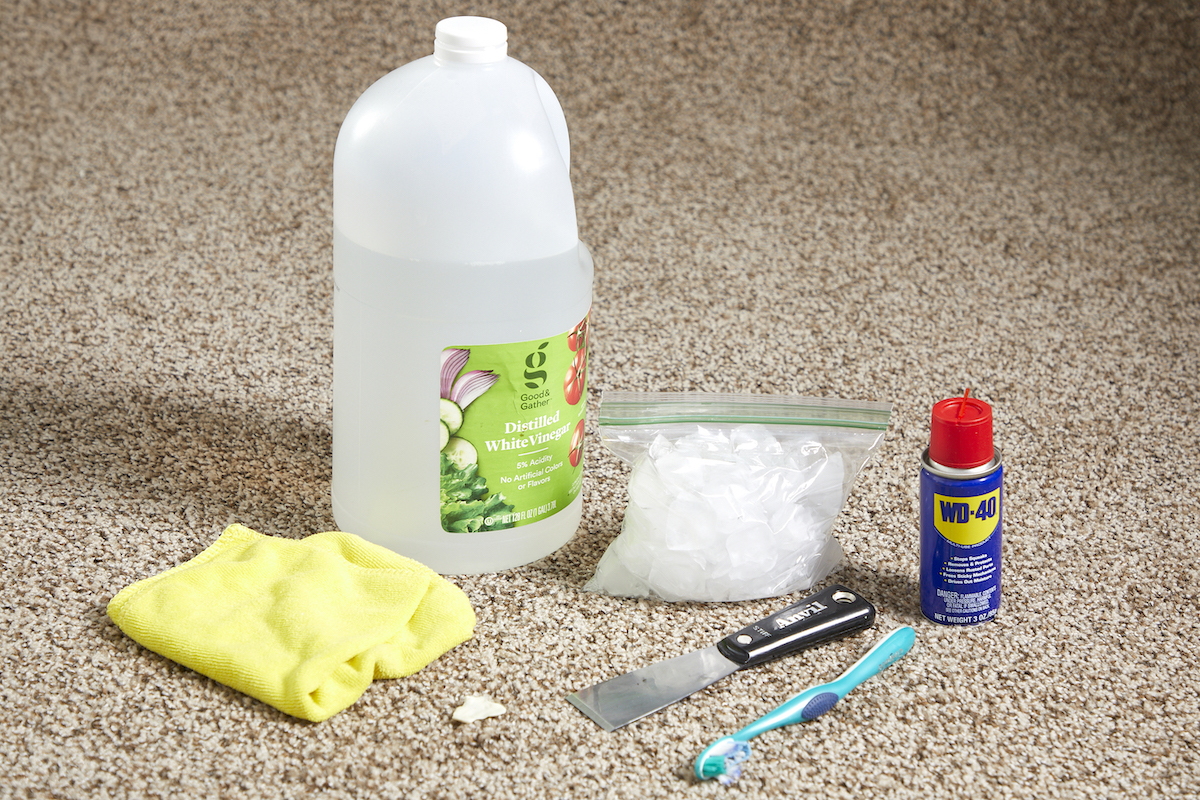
x=512, y=430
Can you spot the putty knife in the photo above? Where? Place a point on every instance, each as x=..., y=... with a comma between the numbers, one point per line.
x=830, y=614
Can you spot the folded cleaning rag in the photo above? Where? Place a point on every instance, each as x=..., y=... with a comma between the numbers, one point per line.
x=304, y=625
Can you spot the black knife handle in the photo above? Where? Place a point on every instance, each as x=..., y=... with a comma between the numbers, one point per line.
x=830, y=614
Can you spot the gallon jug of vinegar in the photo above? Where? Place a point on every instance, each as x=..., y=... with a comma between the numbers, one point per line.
x=461, y=306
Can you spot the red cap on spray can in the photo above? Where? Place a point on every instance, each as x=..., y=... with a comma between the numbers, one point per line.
x=960, y=435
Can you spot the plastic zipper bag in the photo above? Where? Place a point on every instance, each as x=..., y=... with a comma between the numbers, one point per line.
x=731, y=497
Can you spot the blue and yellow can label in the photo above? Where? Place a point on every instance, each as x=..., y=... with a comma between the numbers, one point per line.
x=961, y=547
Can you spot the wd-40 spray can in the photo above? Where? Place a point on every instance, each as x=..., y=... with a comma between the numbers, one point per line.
x=961, y=504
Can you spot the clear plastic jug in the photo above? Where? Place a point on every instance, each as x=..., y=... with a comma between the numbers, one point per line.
x=461, y=305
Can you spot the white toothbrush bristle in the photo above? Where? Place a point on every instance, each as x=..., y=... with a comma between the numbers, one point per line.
x=734, y=754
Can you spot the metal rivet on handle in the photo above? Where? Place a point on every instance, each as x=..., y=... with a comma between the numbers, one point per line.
x=843, y=597
x=745, y=638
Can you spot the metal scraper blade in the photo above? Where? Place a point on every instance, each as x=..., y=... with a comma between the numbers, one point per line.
x=828, y=615
x=621, y=700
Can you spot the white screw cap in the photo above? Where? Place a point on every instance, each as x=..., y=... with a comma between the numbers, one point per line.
x=470, y=40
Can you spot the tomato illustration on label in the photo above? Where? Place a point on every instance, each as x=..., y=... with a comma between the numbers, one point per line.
x=577, y=338
x=576, y=454
x=576, y=377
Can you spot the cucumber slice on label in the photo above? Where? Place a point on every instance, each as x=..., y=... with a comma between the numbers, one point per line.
x=452, y=416
x=461, y=453
x=445, y=435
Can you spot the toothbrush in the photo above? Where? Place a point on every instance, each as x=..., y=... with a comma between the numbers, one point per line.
x=723, y=758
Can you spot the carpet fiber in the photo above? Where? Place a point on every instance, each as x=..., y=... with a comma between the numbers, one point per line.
x=847, y=198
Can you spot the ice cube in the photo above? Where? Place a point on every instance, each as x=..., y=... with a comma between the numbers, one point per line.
x=646, y=488
x=750, y=440
x=825, y=492
x=751, y=552
x=690, y=525
x=614, y=577
x=677, y=577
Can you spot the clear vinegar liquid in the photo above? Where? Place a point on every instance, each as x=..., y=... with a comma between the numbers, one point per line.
x=392, y=319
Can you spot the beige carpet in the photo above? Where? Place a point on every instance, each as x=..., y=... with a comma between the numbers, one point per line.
x=885, y=201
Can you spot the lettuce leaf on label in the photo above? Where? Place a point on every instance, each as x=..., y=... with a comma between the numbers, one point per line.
x=466, y=506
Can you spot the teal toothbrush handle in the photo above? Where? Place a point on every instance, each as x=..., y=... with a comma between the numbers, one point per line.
x=723, y=758
x=812, y=703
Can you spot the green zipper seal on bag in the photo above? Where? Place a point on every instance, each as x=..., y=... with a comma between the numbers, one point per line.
x=657, y=408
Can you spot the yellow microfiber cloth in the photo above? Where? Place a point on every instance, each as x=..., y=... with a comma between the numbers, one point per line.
x=304, y=625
